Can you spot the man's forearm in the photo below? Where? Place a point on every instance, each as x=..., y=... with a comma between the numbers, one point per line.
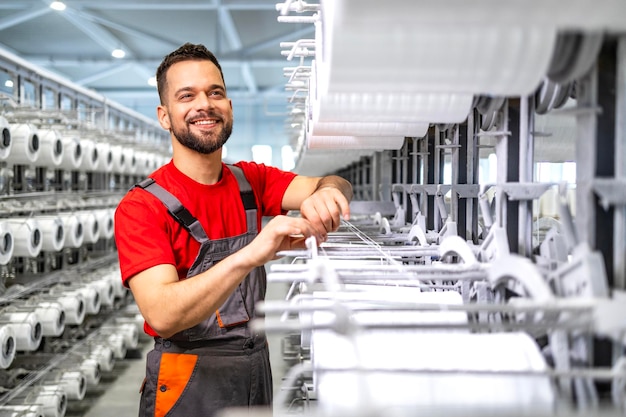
x=337, y=182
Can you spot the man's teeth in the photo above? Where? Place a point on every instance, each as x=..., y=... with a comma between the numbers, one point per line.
x=205, y=122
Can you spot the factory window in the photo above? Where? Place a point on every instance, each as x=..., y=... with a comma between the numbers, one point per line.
x=555, y=172
x=6, y=83
x=81, y=109
x=488, y=169
x=262, y=154
x=288, y=162
x=66, y=103
x=48, y=99
x=28, y=93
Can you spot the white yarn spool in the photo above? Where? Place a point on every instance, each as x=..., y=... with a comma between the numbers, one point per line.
x=26, y=144
x=117, y=344
x=115, y=278
x=51, y=398
x=73, y=305
x=142, y=163
x=6, y=142
x=437, y=56
x=354, y=142
x=74, y=384
x=73, y=155
x=27, y=328
x=105, y=157
x=105, y=290
x=6, y=243
x=91, y=369
x=461, y=353
x=103, y=354
x=51, y=148
x=52, y=318
x=130, y=165
x=118, y=164
x=90, y=154
x=362, y=129
x=127, y=330
x=26, y=236
x=7, y=346
x=91, y=227
x=579, y=14
x=105, y=222
x=88, y=295
x=74, y=230
x=400, y=107
x=52, y=233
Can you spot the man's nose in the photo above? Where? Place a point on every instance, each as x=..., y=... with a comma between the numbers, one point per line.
x=203, y=101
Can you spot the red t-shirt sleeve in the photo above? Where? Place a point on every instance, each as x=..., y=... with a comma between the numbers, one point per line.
x=141, y=234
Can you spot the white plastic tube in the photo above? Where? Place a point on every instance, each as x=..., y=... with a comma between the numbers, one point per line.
x=6, y=142
x=26, y=236
x=52, y=233
x=89, y=160
x=73, y=155
x=91, y=227
x=105, y=157
x=7, y=346
x=6, y=243
x=26, y=145
x=27, y=329
x=74, y=231
x=51, y=148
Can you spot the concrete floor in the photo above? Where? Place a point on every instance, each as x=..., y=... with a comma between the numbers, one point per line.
x=118, y=395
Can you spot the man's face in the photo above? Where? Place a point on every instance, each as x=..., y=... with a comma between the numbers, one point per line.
x=196, y=110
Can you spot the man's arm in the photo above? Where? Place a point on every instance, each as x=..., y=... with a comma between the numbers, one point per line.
x=323, y=201
x=170, y=305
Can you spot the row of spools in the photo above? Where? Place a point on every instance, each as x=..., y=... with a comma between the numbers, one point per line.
x=47, y=313
x=64, y=149
x=29, y=236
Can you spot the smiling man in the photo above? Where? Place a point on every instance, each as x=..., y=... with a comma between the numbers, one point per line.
x=192, y=251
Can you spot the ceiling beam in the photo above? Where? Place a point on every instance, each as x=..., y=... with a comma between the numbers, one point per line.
x=21, y=17
x=248, y=78
x=127, y=30
x=103, y=74
x=234, y=40
x=99, y=35
x=156, y=5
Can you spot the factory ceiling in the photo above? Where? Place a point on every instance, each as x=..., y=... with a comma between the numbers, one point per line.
x=77, y=44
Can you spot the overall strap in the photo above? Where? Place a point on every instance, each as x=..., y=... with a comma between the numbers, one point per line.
x=247, y=198
x=175, y=208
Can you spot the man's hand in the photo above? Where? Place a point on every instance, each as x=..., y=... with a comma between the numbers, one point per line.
x=323, y=201
x=324, y=209
x=279, y=234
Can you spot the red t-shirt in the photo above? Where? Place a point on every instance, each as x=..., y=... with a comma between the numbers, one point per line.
x=146, y=235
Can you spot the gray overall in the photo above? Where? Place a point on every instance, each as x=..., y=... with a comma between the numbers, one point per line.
x=218, y=363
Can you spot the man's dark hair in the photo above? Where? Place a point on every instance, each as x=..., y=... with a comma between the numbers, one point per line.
x=187, y=52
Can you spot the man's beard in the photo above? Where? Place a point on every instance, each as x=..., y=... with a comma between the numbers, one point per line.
x=203, y=144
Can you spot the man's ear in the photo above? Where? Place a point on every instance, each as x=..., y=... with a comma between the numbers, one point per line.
x=164, y=117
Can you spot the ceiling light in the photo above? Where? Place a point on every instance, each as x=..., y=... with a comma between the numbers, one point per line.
x=152, y=81
x=57, y=5
x=8, y=83
x=118, y=53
